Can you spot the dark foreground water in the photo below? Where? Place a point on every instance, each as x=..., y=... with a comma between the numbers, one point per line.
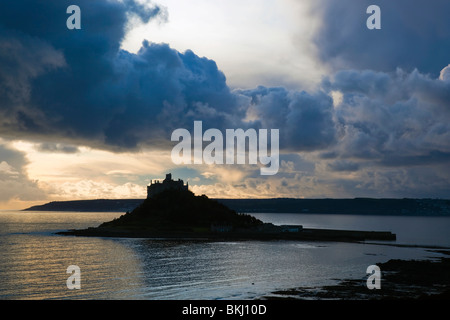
x=34, y=261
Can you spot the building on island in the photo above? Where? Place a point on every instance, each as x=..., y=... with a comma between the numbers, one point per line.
x=156, y=186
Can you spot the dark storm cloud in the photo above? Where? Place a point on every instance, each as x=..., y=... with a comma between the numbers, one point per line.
x=430, y=158
x=81, y=99
x=413, y=34
x=305, y=119
x=343, y=165
x=397, y=119
x=163, y=90
x=79, y=84
x=59, y=99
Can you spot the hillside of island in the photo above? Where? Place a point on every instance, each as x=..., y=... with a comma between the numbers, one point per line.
x=182, y=211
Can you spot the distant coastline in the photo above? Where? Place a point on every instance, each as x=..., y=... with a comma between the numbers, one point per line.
x=361, y=206
x=97, y=205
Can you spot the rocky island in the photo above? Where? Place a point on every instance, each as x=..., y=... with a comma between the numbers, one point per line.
x=172, y=211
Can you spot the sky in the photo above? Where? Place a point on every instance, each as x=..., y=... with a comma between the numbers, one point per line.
x=88, y=113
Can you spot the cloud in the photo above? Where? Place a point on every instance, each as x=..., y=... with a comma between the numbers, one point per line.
x=84, y=89
x=7, y=170
x=90, y=189
x=79, y=84
x=164, y=90
x=88, y=91
x=445, y=74
x=14, y=181
x=57, y=147
x=22, y=59
x=389, y=182
x=413, y=34
x=305, y=120
x=390, y=116
x=343, y=165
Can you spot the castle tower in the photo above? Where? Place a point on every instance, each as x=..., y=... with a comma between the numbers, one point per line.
x=168, y=183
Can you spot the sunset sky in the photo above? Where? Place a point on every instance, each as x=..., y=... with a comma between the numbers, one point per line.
x=88, y=114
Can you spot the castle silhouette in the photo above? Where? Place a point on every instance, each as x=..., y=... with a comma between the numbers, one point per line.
x=156, y=186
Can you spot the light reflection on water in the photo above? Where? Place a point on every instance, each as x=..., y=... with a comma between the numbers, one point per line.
x=33, y=262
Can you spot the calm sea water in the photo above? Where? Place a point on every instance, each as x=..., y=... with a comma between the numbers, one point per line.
x=33, y=260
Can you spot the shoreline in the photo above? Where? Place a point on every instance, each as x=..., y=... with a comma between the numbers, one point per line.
x=425, y=279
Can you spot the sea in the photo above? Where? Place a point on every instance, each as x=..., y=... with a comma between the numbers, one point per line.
x=35, y=262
